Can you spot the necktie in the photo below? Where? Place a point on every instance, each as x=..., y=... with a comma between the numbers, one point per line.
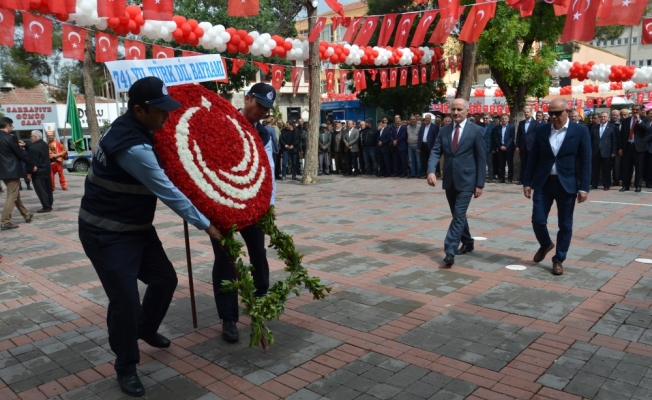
x=456, y=138
x=631, y=130
x=601, y=130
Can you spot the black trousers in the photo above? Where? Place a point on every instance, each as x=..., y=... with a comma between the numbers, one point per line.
x=385, y=162
x=400, y=162
x=120, y=260
x=227, y=302
x=635, y=160
x=496, y=170
x=351, y=158
x=43, y=189
x=508, y=158
x=601, y=170
x=525, y=155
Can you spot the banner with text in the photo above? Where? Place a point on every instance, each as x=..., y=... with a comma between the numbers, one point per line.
x=172, y=71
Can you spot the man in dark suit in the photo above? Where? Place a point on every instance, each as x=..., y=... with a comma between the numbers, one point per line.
x=427, y=135
x=559, y=170
x=384, y=153
x=350, y=138
x=633, y=147
x=524, y=139
x=399, y=148
x=39, y=156
x=604, y=144
x=462, y=144
x=11, y=170
x=504, y=138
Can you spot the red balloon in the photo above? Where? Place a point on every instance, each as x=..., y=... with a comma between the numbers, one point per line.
x=193, y=24
x=133, y=11
x=242, y=46
x=338, y=51
x=364, y=59
x=249, y=40
x=140, y=21
x=242, y=33
x=131, y=25
x=43, y=8
x=137, y=31
x=177, y=34
x=113, y=22
x=346, y=51
x=235, y=39
x=199, y=32
x=342, y=58
x=186, y=29
x=375, y=53
x=179, y=20
x=245, y=50
x=231, y=48
x=191, y=37
x=231, y=31
x=281, y=52
x=124, y=20
x=287, y=46
x=334, y=59
x=62, y=17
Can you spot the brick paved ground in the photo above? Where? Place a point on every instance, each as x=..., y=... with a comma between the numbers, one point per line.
x=397, y=324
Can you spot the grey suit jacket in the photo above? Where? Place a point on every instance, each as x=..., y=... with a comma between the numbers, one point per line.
x=351, y=137
x=324, y=140
x=464, y=169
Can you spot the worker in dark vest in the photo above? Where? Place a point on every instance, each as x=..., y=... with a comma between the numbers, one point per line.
x=115, y=226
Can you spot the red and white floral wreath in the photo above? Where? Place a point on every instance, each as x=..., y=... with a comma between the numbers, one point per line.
x=214, y=155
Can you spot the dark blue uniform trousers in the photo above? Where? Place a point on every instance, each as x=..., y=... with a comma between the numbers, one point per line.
x=227, y=302
x=458, y=230
x=120, y=259
x=553, y=191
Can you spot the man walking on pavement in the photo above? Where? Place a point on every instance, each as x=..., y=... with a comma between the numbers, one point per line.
x=11, y=170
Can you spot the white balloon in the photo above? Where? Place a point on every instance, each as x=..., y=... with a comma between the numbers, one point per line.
x=163, y=32
x=171, y=26
x=103, y=24
x=330, y=51
x=87, y=7
x=205, y=25
x=267, y=53
x=226, y=37
x=220, y=28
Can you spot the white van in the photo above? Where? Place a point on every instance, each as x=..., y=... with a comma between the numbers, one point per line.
x=78, y=162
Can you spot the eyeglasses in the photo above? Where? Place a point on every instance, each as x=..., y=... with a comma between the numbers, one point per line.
x=555, y=113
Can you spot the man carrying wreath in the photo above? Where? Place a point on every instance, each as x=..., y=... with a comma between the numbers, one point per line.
x=258, y=102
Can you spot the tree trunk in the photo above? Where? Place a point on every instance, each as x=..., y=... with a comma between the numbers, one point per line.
x=311, y=156
x=469, y=51
x=89, y=90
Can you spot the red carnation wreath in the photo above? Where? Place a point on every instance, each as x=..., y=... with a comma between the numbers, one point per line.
x=213, y=154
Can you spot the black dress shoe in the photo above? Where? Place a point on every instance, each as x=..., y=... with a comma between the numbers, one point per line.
x=449, y=259
x=230, y=331
x=131, y=385
x=594, y=187
x=44, y=210
x=624, y=189
x=157, y=340
x=466, y=248
x=638, y=189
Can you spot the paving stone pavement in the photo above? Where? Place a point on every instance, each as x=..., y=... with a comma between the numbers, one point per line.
x=396, y=325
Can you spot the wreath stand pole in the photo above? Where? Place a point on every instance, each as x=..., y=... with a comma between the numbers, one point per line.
x=191, y=286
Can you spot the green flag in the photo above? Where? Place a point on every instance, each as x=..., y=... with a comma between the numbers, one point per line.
x=75, y=124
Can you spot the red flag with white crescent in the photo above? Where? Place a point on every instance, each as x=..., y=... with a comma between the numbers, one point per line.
x=649, y=97
x=73, y=41
x=640, y=97
x=589, y=103
x=62, y=6
x=404, y=74
x=366, y=31
x=424, y=73
x=383, y=78
x=434, y=71
x=319, y=26
x=336, y=22
x=296, y=78
x=344, y=74
x=393, y=75
x=500, y=109
x=452, y=64
x=110, y=8
x=386, y=29
x=237, y=64
x=37, y=34
x=7, y=27
x=445, y=107
x=262, y=66
x=414, y=70
x=106, y=47
x=525, y=7
x=580, y=21
x=448, y=20
x=621, y=12
x=458, y=60
x=187, y=53
x=560, y=6
x=335, y=6
x=353, y=29
x=373, y=72
x=278, y=72
x=15, y=4
x=403, y=29
x=476, y=21
x=424, y=23
x=629, y=96
x=442, y=67
x=360, y=80
x=330, y=80
x=134, y=50
x=162, y=52
x=162, y=10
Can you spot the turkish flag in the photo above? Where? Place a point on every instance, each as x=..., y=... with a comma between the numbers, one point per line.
x=278, y=72
x=415, y=75
x=393, y=75
x=360, y=80
x=485, y=109
x=344, y=74
x=237, y=64
x=579, y=106
x=424, y=23
x=37, y=34
x=366, y=31
x=621, y=12
x=62, y=6
x=442, y=67
x=525, y=7
x=15, y=4
x=448, y=20
x=589, y=103
x=629, y=96
x=7, y=27
x=162, y=52
x=506, y=108
x=383, y=78
x=458, y=59
x=135, y=50
x=560, y=6
x=184, y=53
x=319, y=26
x=492, y=110
x=106, y=47
x=476, y=21
x=330, y=80
x=499, y=109
x=353, y=29
x=646, y=31
x=472, y=109
x=373, y=72
x=73, y=41
x=297, y=72
x=434, y=71
x=403, y=29
x=262, y=66
x=337, y=21
x=649, y=97
x=580, y=21
x=424, y=73
x=452, y=64
x=640, y=97
x=404, y=73
x=335, y=6
x=386, y=29
x=445, y=108
x=162, y=10
x=110, y=8
x=570, y=104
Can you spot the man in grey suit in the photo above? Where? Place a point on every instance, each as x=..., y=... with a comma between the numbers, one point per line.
x=324, y=147
x=604, y=145
x=350, y=139
x=462, y=144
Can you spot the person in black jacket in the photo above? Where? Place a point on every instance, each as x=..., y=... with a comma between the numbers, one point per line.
x=369, y=143
x=39, y=156
x=10, y=172
x=290, y=142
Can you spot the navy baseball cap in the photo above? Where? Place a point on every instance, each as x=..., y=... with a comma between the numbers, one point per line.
x=153, y=92
x=264, y=94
